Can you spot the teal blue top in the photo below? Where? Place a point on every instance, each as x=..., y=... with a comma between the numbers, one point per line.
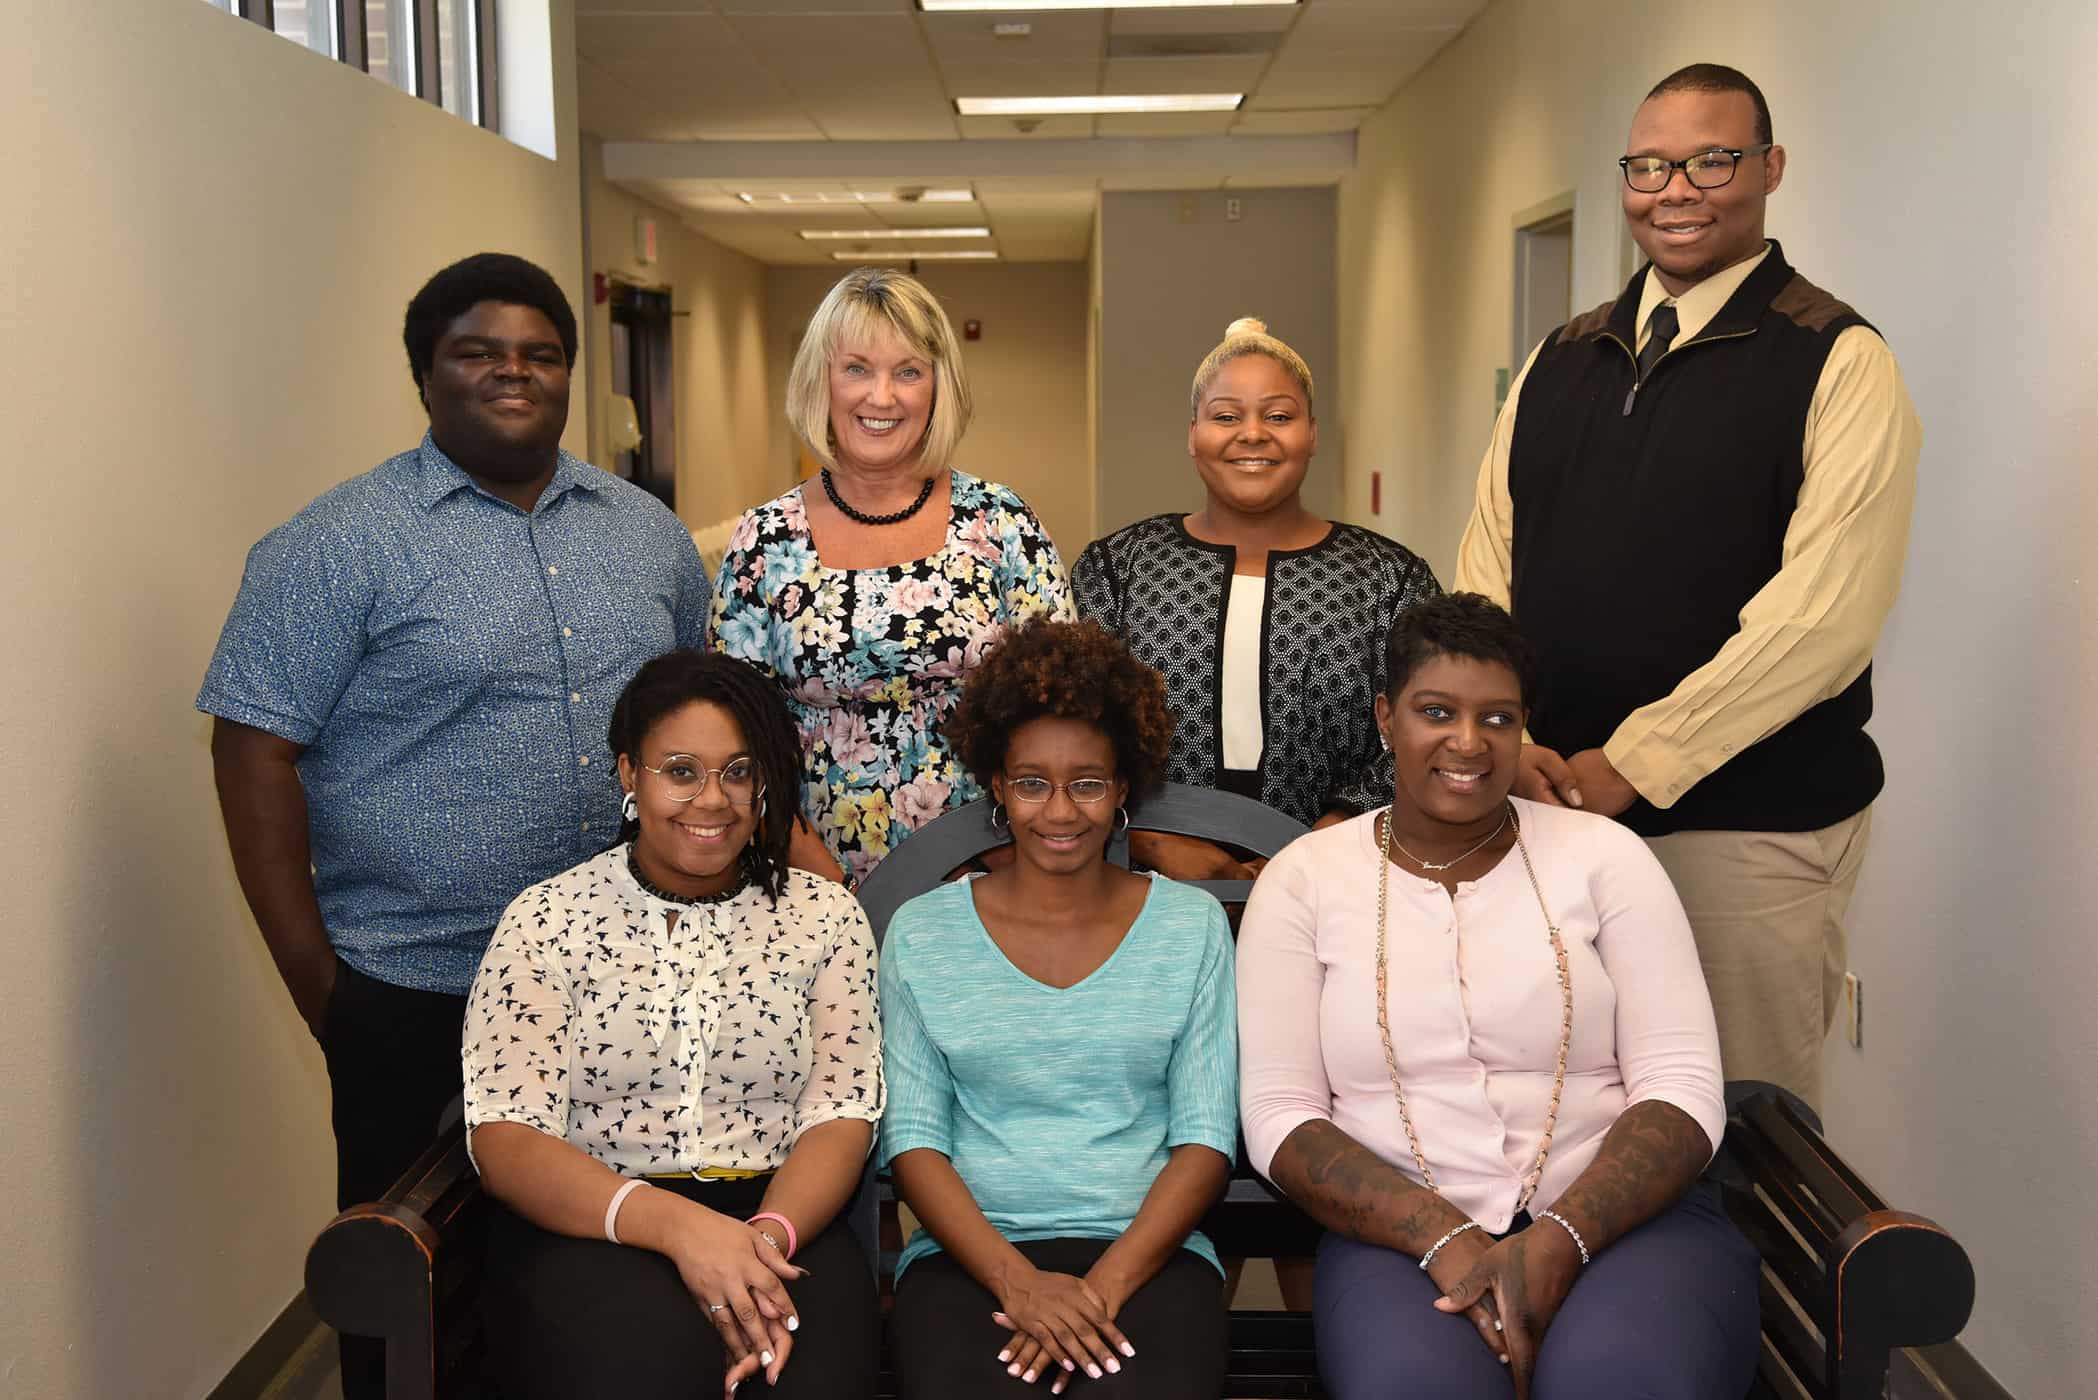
x=1058, y=1105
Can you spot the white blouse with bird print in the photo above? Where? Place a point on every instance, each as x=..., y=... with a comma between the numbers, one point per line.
x=661, y=1037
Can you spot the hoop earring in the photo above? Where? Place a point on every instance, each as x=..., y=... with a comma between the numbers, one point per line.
x=1000, y=821
x=761, y=806
x=630, y=809
x=1121, y=820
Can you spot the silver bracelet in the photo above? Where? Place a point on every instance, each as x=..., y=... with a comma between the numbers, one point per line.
x=1566, y=1225
x=1436, y=1248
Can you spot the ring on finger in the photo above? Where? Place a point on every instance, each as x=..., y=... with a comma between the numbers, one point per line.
x=1497, y=1325
x=717, y=1307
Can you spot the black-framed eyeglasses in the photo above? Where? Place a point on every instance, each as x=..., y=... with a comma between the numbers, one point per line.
x=1035, y=791
x=1707, y=170
x=685, y=778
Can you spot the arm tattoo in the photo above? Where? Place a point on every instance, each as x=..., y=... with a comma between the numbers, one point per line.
x=1649, y=1158
x=1351, y=1190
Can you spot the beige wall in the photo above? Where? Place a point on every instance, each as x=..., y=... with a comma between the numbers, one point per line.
x=1027, y=374
x=1935, y=182
x=717, y=347
x=211, y=235
x=1174, y=272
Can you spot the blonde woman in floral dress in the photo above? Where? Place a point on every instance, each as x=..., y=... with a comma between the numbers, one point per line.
x=871, y=597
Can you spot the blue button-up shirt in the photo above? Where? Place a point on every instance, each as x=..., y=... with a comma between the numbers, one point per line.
x=449, y=664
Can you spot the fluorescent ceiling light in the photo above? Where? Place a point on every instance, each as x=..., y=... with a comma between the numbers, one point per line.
x=934, y=6
x=858, y=233
x=962, y=196
x=923, y=255
x=1092, y=106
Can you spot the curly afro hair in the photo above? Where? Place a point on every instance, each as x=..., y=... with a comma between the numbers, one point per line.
x=458, y=289
x=1064, y=670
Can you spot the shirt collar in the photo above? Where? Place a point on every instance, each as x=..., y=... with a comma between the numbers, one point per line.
x=438, y=476
x=1695, y=308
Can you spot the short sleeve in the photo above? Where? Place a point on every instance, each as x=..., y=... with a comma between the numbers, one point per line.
x=1093, y=588
x=740, y=613
x=921, y=1087
x=1202, y=1076
x=694, y=597
x=845, y=1073
x=295, y=636
x=515, y=1050
x=1032, y=577
x=1282, y=1071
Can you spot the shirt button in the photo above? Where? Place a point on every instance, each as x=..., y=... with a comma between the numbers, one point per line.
x=584, y=760
x=575, y=697
x=567, y=632
x=553, y=569
x=586, y=826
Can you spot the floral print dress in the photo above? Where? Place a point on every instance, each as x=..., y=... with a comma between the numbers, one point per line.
x=872, y=660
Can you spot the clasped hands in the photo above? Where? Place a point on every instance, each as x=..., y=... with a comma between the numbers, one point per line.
x=1588, y=780
x=1509, y=1290
x=740, y=1279
x=1061, y=1325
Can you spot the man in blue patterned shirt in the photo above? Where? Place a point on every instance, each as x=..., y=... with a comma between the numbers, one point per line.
x=412, y=693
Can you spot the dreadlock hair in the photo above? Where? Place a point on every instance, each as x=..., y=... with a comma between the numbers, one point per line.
x=677, y=679
x=1469, y=625
x=458, y=289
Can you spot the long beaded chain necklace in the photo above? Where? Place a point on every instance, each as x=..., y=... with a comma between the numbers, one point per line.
x=894, y=517
x=1391, y=1063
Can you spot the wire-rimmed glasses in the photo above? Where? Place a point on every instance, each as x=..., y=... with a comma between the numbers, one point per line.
x=685, y=778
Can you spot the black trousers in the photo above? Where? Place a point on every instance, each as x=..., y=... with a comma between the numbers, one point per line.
x=576, y=1319
x=393, y=1065
x=944, y=1343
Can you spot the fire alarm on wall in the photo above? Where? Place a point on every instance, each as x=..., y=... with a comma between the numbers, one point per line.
x=972, y=330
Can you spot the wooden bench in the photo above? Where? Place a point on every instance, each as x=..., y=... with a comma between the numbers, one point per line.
x=1846, y=1280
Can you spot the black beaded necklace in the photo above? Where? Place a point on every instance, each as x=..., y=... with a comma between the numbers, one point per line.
x=894, y=517
x=633, y=865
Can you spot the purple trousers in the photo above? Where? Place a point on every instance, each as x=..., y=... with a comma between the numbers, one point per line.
x=1666, y=1313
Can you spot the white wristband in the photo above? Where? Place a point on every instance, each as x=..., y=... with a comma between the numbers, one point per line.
x=612, y=1210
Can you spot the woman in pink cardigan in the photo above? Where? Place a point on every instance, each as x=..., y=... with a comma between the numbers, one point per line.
x=1476, y=1045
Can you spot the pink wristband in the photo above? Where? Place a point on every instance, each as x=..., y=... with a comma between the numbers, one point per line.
x=785, y=1224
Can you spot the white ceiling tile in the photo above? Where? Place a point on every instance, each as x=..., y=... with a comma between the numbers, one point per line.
x=1158, y=180
x=1167, y=123
x=1023, y=79
x=672, y=7
x=1002, y=128
x=1413, y=14
x=1208, y=19
x=815, y=8
x=610, y=108
x=1138, y=75
x=1074, y=36
x=1301, y=121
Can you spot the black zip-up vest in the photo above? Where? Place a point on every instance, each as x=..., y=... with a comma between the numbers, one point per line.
x=1648, y=513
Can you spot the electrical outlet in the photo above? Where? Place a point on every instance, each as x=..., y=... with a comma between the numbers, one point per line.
x=1232, y=210
x=1854, y=1009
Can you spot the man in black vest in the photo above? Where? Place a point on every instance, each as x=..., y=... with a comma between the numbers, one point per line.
x=1697, y=503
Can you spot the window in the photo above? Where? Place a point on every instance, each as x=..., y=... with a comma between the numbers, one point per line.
x=307, y=22
x=442, y=51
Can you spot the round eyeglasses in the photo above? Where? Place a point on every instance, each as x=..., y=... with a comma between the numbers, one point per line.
x=1707, y=170
x=1035, y=791
x=685, y=778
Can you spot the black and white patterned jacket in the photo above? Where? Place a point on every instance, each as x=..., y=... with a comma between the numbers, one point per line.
x=1321, y=651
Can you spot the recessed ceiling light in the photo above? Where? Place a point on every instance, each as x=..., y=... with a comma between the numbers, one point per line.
x=1093, y=106
x=856, y=197
x=857, y=233
x=933, y=6
x=923, y=255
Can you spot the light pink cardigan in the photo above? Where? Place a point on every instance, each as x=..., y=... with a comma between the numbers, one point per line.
x=1474, y=1006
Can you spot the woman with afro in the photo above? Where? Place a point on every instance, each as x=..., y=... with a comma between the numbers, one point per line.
x=1062, y=1060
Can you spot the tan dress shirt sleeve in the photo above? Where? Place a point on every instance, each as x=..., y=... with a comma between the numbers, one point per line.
x=1809, y=632
x=1485, y=556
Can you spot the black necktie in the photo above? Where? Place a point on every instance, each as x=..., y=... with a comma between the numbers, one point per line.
x=1660, y=335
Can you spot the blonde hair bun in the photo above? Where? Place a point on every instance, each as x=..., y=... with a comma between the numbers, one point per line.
x=1245, y=325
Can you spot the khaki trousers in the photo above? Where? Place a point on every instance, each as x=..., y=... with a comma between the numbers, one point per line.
x=1767, y=910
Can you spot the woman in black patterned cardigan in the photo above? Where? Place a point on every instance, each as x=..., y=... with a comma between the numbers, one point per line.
x=1267, y=621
